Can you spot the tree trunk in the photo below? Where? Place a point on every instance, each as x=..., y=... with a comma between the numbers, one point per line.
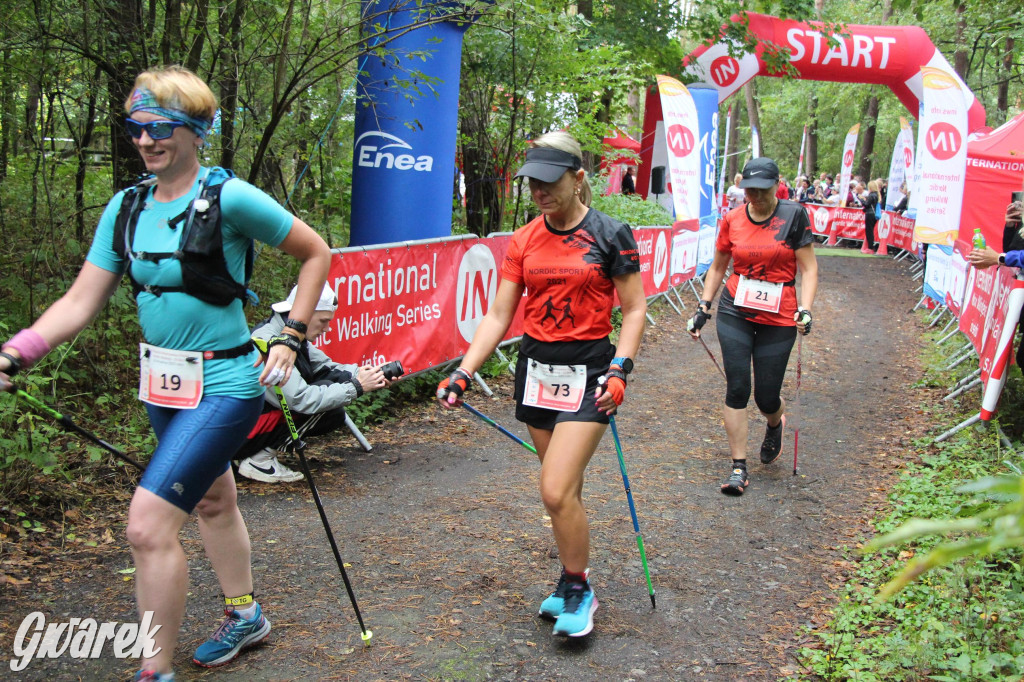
x=869, y=122
x=125, y=28
x=730, y=151
x=960, y=55
x=85, y=139
x=6, y=113
x=231, y=33
x=1003, y=89
x=195, y=51
x=753, y=117
x=811, y=153
x=171, y=39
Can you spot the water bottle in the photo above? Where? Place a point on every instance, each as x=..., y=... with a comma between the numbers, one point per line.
x=979, y=239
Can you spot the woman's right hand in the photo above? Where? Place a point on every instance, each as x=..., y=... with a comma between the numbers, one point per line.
x=450, y=390
x=1013, y=212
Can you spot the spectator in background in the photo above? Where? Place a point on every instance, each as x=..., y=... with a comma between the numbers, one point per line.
x=316, y=392
x=734, y=194
x=883, y=191
x=870, y=214
x=901, y=207
x=628, y=186
x=804, y=191
x=783, y=191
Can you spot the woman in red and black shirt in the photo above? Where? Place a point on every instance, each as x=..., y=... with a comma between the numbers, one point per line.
x=570, y=261
x=767, y=240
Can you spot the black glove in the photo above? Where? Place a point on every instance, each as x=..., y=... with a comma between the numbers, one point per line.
x=456, y=383
x=699, y=318
x=803, y=316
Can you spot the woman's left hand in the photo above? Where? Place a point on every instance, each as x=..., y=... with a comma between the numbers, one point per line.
x=983, y=258
x=280, y=360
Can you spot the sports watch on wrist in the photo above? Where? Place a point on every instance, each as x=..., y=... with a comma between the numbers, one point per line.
x=625, y=363
x=1002, y=259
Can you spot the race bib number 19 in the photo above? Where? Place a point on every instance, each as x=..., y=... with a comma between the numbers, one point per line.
x=759, y=295
x=170, y=378
x=555, y=387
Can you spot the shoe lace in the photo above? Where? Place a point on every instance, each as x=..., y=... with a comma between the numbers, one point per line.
x=574, y=593
x=226, y=627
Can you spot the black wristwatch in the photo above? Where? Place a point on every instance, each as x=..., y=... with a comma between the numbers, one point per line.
x=625, y=363
x=297, y=325
x=1002, y=259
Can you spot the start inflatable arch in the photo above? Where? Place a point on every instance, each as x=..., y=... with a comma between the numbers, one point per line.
x=886, y=55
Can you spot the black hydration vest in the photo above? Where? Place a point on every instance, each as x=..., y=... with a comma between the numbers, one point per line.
x=204, y=272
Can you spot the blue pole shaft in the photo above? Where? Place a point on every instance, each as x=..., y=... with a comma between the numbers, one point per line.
x=498, y=426
x=632, y=510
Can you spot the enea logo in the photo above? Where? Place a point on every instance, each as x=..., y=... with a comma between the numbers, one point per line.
x=370, y=153
x=681, y=140
x=660, y=259
x=884, y=225
x=724, y=71
x=943, y=140
x=848, y=158
x=476, y=287
x=908, y=158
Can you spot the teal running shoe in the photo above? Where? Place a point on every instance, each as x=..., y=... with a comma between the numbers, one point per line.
x=551, y=608
x=234, y=634
x=577, y=618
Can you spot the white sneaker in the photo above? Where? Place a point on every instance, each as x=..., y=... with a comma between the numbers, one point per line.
x=264, y=467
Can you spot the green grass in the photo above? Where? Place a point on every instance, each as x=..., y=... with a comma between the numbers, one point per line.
x=963, y=621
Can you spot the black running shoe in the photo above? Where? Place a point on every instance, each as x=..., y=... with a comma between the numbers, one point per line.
x=736, y=483
x=771, y=446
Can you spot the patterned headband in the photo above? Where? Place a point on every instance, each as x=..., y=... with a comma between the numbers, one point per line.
x=144, y=100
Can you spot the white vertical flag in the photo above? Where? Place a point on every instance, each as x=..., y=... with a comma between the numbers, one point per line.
x=901, y=165
x=681, y=136
x=941, y=162
x=846, y=171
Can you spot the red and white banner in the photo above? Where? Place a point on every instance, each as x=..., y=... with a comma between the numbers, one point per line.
x=941, y=163
x=685, y=246
x=895, y=230
x=680, y=120
x=850, y=53
x=846, y=169
x=655, y=244
x=901, y=165
x=836, y=222
x=419, y=303
x=998, y=362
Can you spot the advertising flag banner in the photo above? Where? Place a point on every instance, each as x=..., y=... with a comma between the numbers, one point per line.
x=956, y=276
x=705, y=99
x=800, y=161
x=654, y=244
x=724, y=202
x=901, y=165
x=846, y=170
x=941, y=163
x=755, y=143
x=681, y=136
x=935, y=272
x=685, y=244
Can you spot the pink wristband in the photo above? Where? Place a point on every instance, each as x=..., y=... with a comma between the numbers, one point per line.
x=30, y=346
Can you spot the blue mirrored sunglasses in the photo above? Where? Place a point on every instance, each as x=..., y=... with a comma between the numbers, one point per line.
x=157, y=130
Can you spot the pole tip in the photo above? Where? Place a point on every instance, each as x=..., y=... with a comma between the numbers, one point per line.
x=654, y=604
x=367, y=635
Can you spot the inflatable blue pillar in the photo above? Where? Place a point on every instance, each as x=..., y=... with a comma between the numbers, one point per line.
x=403, y=159
x=705, y=99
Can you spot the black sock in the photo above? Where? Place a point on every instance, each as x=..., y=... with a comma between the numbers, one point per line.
x=739, y=464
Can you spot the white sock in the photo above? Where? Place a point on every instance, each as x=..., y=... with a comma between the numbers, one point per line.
x=247, y=613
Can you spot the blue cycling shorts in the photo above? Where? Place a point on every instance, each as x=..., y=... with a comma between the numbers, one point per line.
x=195, y=446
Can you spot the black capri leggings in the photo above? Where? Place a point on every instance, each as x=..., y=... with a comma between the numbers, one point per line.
x=769, y=346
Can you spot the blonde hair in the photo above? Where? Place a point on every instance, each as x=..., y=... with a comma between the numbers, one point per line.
x=873, y=186
x=737, y=179
x=563, y=141
x=175, y=87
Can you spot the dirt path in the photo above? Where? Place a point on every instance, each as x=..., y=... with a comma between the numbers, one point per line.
x=450, y=551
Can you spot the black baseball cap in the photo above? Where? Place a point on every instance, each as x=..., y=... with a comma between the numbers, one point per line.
x=760, y=173
x=547, y=164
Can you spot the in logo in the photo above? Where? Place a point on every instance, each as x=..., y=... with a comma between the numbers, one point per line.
x=681, y=140
x=477, y=285
x=884, y=225
x=821, y=221
x=377, y=149
x=908, y=158
x=724, y=71
x=660, y=259
x=848, y=158
x=943, y=140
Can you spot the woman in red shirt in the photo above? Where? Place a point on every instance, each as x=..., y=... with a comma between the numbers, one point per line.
x=571, y=261
x=766, y=240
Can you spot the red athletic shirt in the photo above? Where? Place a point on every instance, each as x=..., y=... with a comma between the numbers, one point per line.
x=766, y=251
x=568, y=275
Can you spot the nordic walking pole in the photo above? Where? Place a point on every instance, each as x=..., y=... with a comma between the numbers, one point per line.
x=711, y=355
x=498, y=426
x=632, y=510
x=796, y=407
x=66, y=422
x=300, y=447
